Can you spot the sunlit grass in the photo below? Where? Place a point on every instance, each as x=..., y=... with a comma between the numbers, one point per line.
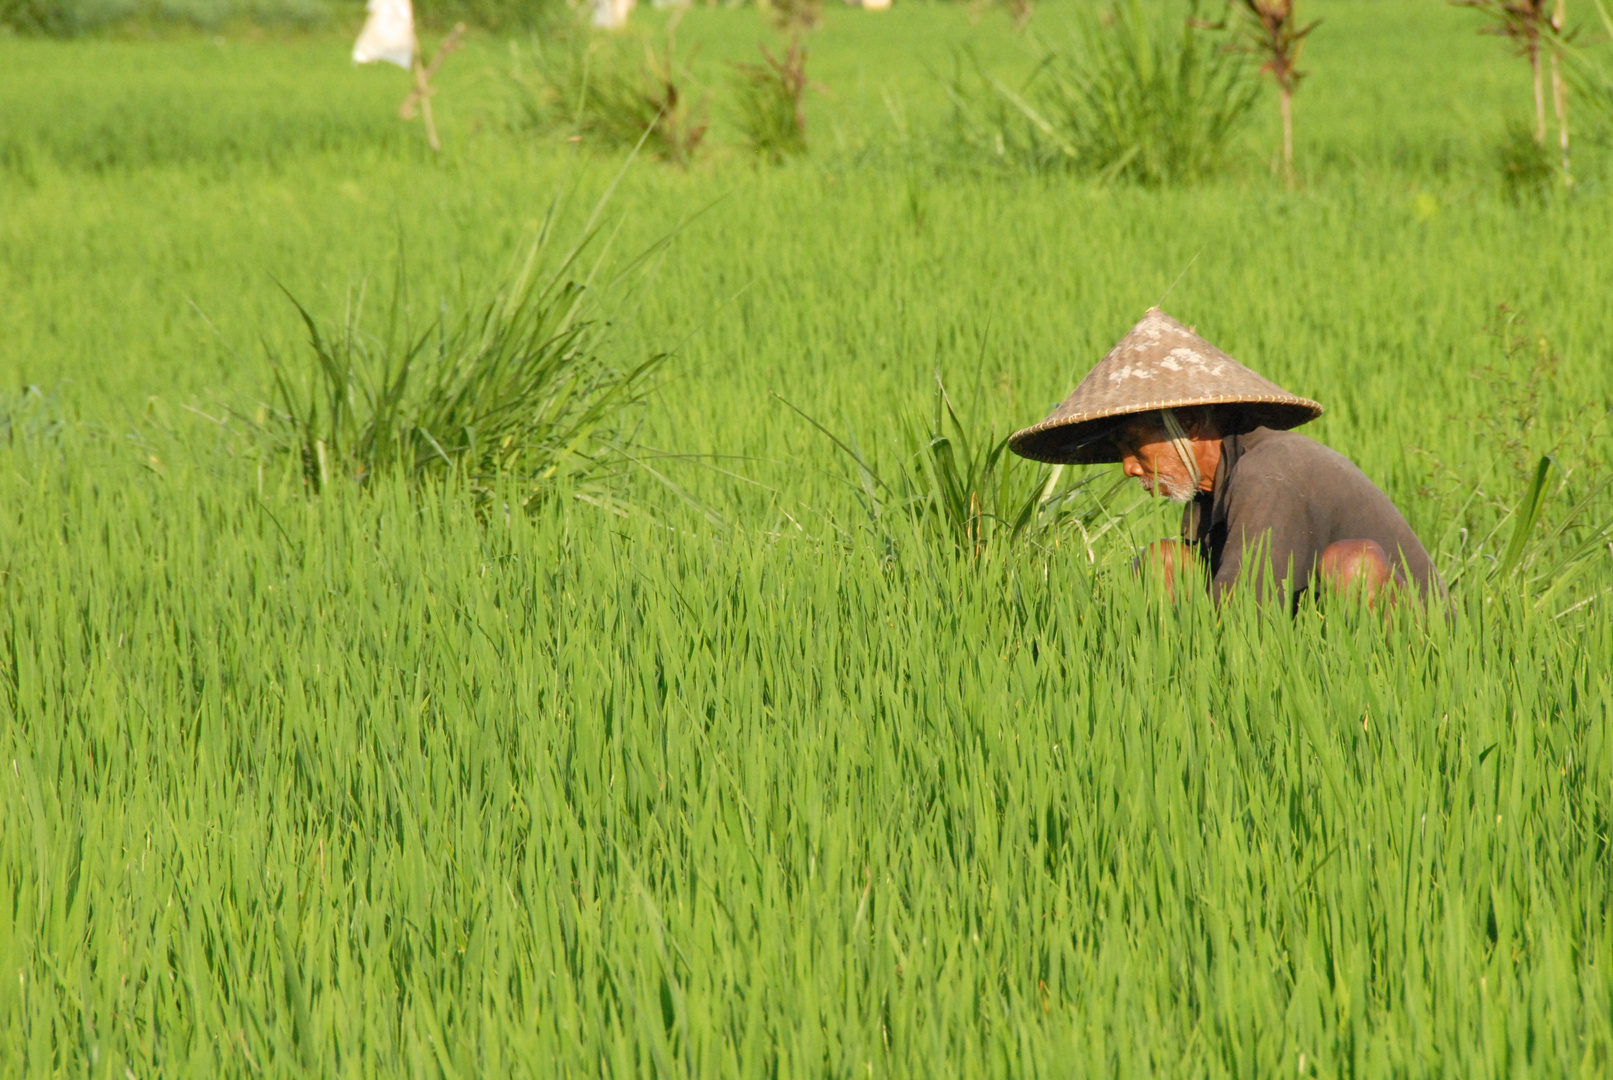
x=768, y=780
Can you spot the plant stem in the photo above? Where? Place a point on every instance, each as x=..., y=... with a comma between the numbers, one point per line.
x=422, y=85
x=1559, y=97
x=1286, y=100
x=1540, y=94
x=420, y=96
x=1559, y=93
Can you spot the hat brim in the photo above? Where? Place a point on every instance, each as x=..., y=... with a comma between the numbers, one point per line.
x=1089, y=440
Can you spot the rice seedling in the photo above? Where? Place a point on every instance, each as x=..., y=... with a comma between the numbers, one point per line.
x=1145, y=93
x=504, y=794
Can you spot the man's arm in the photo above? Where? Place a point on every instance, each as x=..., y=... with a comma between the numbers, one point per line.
x=1271, y=539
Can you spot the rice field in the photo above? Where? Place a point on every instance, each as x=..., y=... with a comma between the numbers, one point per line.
x=732, y=775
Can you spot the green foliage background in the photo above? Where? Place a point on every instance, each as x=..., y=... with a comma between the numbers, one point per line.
x=369, y=783
x=77, y=18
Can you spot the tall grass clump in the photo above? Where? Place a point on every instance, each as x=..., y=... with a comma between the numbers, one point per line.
x=965, y=489
x=772, y=103
x=616, y=93
x=511, y=387
x=1145, y=92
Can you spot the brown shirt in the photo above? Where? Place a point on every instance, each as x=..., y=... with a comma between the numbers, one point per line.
x=1294, y=496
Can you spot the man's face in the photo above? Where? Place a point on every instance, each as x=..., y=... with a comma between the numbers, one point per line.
x=1148, y=455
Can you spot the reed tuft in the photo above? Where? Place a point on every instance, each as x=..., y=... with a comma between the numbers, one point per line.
x=772, y=103
x=965, y=488
x=510, y=388
x=616, y=94
x=1145, y=93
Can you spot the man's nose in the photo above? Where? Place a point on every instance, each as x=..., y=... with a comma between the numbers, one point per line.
x=1133, y=467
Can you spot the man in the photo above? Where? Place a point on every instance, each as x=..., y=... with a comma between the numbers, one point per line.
x=1263, y=505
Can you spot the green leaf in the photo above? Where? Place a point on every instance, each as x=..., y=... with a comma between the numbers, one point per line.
x=1525, y=516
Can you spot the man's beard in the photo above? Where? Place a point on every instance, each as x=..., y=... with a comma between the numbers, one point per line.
x=1173, y=489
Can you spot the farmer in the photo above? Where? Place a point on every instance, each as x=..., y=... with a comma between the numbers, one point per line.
x=1263, y=504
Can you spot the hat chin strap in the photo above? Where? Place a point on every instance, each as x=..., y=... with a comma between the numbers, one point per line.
x=1184, y=448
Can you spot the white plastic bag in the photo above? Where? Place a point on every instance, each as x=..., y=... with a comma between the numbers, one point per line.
x=611, y=14
x=388, y=34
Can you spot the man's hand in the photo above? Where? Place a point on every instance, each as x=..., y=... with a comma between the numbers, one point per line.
x=1167, y=559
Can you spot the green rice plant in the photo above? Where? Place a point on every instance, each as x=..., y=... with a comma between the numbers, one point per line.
x=26, y=416
x=1531, y=524
x=509, y=388
x=1145, y=92
x=969, y=491
x=772, y=103
x=357, y=784
x=1558, y=532
x=617, y=94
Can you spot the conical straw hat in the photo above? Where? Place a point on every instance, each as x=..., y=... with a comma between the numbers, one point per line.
x=1161, y=364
